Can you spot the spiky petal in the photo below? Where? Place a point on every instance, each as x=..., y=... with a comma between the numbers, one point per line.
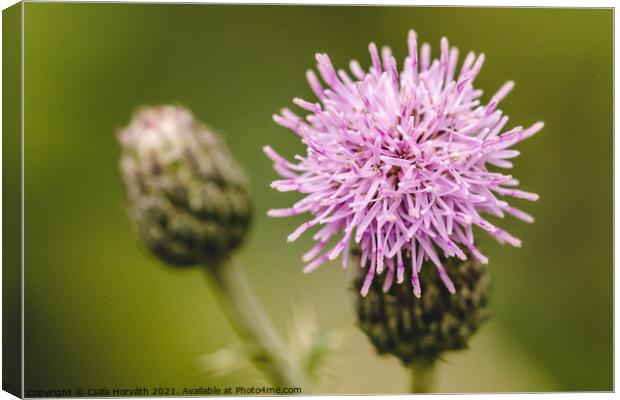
x=401, y=163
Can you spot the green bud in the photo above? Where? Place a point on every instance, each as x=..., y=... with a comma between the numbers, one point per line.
x=421, y=329
x=188, y=199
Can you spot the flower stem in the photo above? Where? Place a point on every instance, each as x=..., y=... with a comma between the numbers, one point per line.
x=262, y=343
x=422, y=376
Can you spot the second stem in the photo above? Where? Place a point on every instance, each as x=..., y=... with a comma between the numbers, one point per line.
x=261, y=341
x=422, y=376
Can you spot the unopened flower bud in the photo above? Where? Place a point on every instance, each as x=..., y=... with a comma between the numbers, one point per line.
x=188, y=198
x=420, y=329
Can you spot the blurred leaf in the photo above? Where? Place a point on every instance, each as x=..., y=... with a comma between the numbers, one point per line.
x=311, y=346
x=225, y=360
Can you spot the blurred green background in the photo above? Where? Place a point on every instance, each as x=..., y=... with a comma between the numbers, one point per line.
x=102, y=312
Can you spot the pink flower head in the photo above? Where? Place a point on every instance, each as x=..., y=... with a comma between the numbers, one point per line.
x=399, y=162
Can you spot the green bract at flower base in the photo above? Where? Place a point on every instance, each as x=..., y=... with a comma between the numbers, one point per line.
x=418, y=331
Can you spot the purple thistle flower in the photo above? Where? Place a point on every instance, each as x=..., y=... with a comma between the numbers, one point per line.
x=398, y=162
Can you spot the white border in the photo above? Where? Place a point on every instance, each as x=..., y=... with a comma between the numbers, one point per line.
x=479, y=3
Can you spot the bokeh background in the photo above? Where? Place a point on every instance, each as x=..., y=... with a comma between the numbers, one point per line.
x=100, y=311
